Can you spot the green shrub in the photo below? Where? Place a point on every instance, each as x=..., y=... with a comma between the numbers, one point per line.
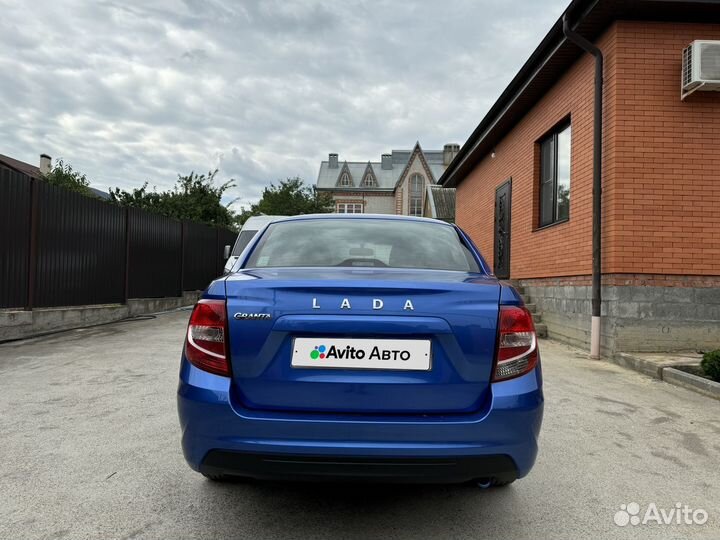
x=711, y=364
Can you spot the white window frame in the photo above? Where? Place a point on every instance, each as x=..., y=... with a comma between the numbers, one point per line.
x=345, y=180
x=369, y=180
x=415, y=203
x=349, y=208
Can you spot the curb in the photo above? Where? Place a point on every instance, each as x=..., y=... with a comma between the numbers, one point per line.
x=666, y=372
x=691, y=382
x=652, y=369
x=19, y=324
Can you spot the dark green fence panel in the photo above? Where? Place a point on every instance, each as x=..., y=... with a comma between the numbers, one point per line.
x=199, y=256
x=15, y=189
x=80, y=249
x=60, y=248
x=154, y=255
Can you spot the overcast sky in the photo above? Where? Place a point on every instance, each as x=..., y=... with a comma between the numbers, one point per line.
x=135, y=91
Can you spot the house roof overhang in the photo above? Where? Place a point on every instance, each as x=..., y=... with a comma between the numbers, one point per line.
x=356, y=189
x=25, y=168
x=553, y=57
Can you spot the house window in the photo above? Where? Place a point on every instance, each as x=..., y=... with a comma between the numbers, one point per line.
x=417, y=183
x=369, y=180
x=344, y=180
x=349, y=208
x=555, y=177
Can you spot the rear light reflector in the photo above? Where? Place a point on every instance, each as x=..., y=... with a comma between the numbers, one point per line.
x=517, y=343
x=206, y=342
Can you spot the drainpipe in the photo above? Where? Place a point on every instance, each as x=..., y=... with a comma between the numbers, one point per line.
x=589, y=47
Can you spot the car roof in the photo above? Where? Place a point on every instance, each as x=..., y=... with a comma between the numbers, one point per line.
x=258, y=222
x=392, y=217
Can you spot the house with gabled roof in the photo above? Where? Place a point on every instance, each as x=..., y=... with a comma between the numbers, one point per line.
x=34, y=172
x=27, y=169
x=594, y=179
x=397, y=184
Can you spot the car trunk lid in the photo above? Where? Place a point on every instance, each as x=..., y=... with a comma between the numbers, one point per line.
x=272, y=311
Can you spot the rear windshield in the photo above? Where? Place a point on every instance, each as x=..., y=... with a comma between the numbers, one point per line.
x=362, y=243
x=242, y=241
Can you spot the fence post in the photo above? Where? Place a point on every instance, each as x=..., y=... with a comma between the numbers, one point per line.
x=218, y=253
x=126, y=293
x=32, y=251
x=182, y=256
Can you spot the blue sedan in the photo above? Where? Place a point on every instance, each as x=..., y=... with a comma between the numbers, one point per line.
x=361, y=348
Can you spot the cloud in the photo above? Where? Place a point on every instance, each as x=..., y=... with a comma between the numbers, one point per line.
x=263, y=90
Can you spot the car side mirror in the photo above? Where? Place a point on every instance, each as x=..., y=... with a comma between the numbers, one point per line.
x=226, y=252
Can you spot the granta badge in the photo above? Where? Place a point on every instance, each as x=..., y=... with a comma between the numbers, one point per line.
x=252, y=316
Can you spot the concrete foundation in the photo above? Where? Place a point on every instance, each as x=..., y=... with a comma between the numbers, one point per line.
x=634, y=318
x=26, y=324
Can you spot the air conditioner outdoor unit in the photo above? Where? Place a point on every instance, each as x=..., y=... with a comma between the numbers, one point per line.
x=700, y=67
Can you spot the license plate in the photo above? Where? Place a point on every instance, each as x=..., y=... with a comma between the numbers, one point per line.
x=398, y=354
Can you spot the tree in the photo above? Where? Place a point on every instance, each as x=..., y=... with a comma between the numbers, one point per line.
x=138, y=198
x=63, y=175
x=195, y=197
x=290, y=198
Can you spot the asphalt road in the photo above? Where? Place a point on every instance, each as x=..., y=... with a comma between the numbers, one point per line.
x=89, y=448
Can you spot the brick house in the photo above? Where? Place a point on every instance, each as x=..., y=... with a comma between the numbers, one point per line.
x=397, y=184
x=524, y=179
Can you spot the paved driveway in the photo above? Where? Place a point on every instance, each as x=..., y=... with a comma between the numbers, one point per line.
x=89, y=447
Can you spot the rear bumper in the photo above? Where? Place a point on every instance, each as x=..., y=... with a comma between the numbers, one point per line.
x=358, y=469
x=221, y=437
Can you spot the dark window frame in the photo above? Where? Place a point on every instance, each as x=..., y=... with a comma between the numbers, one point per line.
x=551, y=137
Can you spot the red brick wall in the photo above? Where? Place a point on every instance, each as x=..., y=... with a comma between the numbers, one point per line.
x=661, y=166
x=562, y=249
x=665, y=217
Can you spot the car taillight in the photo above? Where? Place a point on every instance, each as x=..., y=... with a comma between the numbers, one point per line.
x=206, y=341
x=517, y=344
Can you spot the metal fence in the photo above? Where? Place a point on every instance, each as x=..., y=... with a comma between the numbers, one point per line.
x=154, y=255
x=14, y=237
x=59, y=248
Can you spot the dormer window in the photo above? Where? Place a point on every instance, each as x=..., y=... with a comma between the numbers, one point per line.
x=344, y=180
x=369, y=180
